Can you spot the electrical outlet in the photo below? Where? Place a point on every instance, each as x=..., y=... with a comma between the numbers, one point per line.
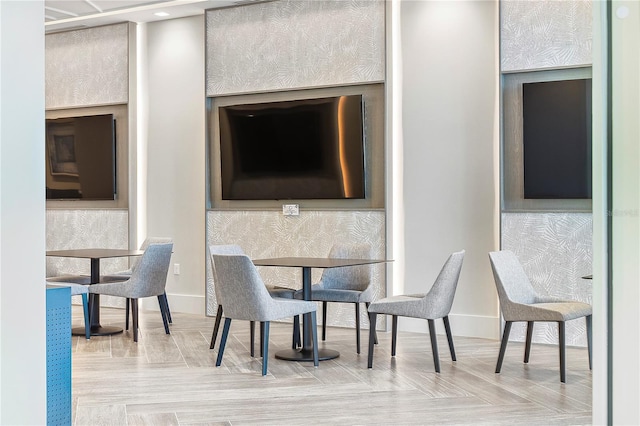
x=176, y=269
x=291, y=209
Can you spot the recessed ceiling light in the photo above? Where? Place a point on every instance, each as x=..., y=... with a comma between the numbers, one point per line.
x=161, y=14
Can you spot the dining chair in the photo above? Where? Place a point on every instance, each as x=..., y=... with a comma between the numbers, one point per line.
x=163, y=302
x=435, y=304
x=148, y=279
x=349, y=284
x=245, y=297
x=81, y=290
x=274, y=291
x=519, y=301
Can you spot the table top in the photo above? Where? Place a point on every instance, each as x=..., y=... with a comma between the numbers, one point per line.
x=315, y=262
x=95, y=253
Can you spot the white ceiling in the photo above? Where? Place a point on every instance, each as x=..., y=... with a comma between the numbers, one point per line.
x=74, y=14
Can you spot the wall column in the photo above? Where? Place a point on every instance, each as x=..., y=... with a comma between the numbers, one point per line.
x=22, y=215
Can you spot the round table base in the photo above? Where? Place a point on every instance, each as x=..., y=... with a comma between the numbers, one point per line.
x=306, y=354
x=97, y=331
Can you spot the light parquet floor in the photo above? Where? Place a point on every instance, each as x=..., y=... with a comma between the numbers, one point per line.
x=172, y=380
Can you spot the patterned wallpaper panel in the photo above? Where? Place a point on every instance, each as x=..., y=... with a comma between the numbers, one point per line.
x=545, y=34
x=74, y=229
x=87, y=67
x=289, y=44
x=265, y=234
x=556, y=251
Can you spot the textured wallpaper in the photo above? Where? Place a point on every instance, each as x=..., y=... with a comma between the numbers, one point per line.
x=87, y=67
x=556, y=251
x=266, y=234
x=291, y=44
x=91, y=228
x=545, y=34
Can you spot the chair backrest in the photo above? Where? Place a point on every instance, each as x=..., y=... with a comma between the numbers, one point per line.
x=221, y=249
x=349, y=277
x=149, y=278
x=242, y=291
x=439, y=299
x=146, y=243
x=512, y=282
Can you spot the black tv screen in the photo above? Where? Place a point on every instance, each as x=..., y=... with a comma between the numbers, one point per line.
x=81, y=161
x=300, y=149
x=557, y=139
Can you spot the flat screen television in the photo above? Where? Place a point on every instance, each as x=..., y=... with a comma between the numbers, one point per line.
x=298, y=149
x=81, y=158
x=557, y=139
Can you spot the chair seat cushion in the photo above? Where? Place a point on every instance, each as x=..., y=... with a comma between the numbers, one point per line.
x=282, y=292
x=76, y=279
x=555, y=311
x=111, y=278
x=320, y=294
x=121, y=289
x=405, y=306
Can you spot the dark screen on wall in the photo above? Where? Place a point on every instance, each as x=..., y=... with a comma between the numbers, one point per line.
x=557, y=139
x=80, y=161
x=301, y=149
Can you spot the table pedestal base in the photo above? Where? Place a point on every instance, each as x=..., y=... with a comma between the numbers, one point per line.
x=97, y=331
x=306, y=354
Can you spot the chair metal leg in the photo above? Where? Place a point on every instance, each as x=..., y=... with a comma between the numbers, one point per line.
x=261, y=339
x=376, y=334
x=527, y=345
x=447, y=328
x=372, y=331
x=87, y=322
x=296, y=343
x=134, y=313
x=357, y=328
x=503, y=345
x=324, y=321
x=265, y=346
x=314, y=337
x=223, y=340
x=216, y=326
x=163, y=311
x=589, y=339
x=394, y=334
x=166, y=306
x=434, y=344
x=561, y=338
x=127, y=303
x=252, y=338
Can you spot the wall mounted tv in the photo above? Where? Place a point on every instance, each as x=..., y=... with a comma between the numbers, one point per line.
x=81, y=161
x=298, y=149
x=557, y=139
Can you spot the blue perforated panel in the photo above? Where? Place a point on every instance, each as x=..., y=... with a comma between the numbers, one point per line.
x=58, y=356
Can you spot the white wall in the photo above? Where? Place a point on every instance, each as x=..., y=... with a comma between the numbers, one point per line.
x=176, y=153
x=450, y=136
x=22, y=215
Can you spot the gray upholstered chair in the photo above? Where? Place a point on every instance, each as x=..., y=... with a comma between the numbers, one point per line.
x=350, y=284
x=520, y=302
x=148, y=279
x=431, y=306
x=163, y=302
x=245, y=297
x=82, y=290
x=273, y=291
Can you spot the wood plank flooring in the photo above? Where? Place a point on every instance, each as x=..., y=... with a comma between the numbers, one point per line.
x=172, y=380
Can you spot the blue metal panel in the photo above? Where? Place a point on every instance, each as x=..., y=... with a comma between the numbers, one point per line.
x=58, y=356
